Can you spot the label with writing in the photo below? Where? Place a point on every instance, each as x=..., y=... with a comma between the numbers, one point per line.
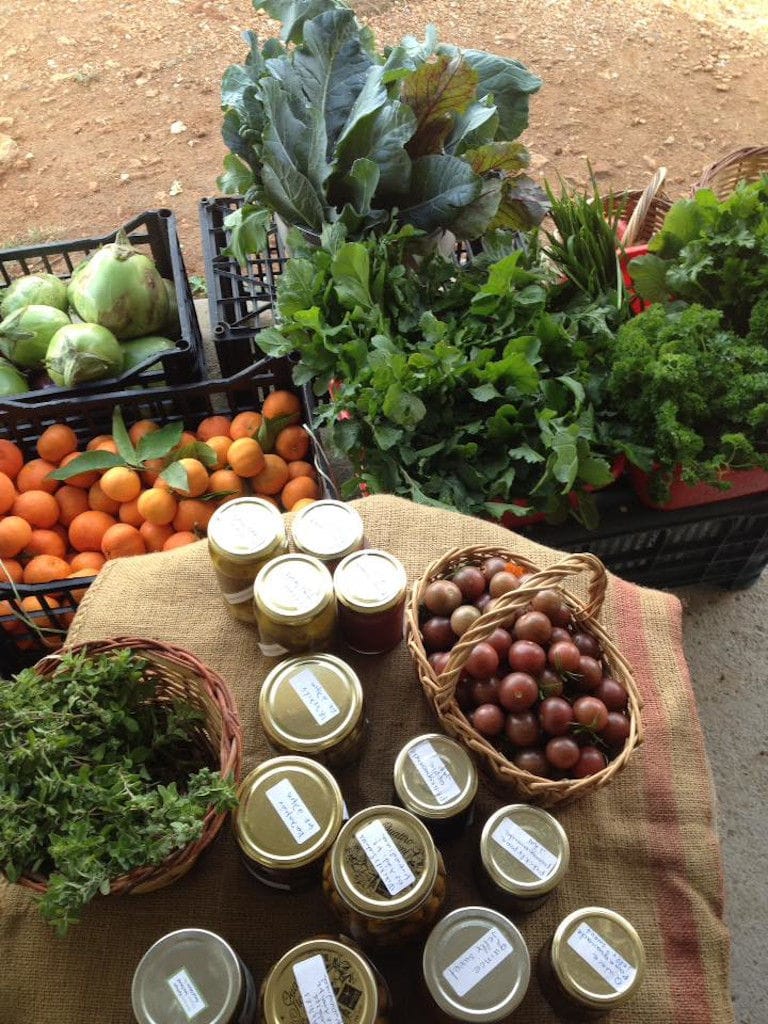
x=479, y=960
x=187, y=994
x=389, y=863
x=370, y=578
x=302, y=588
x=435, y=772
x=325, y=530
x=524, y=848
x=294, y=813
x=603, y=958
x=243, y=528
x=317, y=995
x=314, y=696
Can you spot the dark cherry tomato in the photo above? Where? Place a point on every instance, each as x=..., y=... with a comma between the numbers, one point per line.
x=464, y=694
x=441, y=597
x=612, y=694
x=470, y=582
x=562, y=752
x=550, y=683
x=616, y=730
x=482, y=661
x=591, y=761
x=532, y=760
x=522, y=729
x=559, y=634
x=564, y=656
x=502, y=583
x=555, y=716
x=587, y=644
x=548, y=602
x=485, y=691
x=590, y=673
x=526, y=656
x=493, y=565
x=482, y=602
x=463, y=617
x=533, y=626
x=437, y=634
x=590, y=712
x=438, y=661
x=518, y=691
x=500, y=640
x=563, y=616
x=488, y=719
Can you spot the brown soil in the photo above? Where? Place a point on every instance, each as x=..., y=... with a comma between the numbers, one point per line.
x=91, y=93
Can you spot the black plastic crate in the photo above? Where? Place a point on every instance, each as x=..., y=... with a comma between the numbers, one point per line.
x=92, y=415
x=153, y=233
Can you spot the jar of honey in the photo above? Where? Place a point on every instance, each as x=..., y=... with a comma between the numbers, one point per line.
x=243, y=535
x=294, y=606
x=436, y=779
x=370, y=590
x=328, y=530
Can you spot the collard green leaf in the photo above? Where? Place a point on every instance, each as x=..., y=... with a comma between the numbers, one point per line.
x=364, y=180
x=508, y=82
x=475, y=127
x=236, y=139
x=435, y=92
x=509, y=157
x=471, y=221
x=523, y=205
x=294, y=13
x=247, y=229
x=441, y=187
x=236, y=178
x=293, y=197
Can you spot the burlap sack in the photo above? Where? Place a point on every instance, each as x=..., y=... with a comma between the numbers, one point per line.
x=644, y=846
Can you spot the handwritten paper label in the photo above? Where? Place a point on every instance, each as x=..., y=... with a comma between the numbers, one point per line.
x=317, y=995
x=435, y=772
x=603, y=958
x=294, y=813
x=314, y=696
x=479, y=960
x=187, y=994
x=524, y=848
x=387, y=860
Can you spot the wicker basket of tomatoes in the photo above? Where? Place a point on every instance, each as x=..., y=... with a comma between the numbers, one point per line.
x=521, y=672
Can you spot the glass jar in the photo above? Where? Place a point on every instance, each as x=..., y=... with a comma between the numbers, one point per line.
x=476, y=966
x=294, y=606
x=313, y=705
x=594, y=963
x=436, y=779
x=523, y=856
x=384, y=877
x=289, y=813
x=324, y=979
x=193, y=974
x=243, y=535
x=329, y=530
x=370, y=590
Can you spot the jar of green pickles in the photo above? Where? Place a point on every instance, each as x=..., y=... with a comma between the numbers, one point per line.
x=243, y=535
x=436, y=779
x=594, y=963
x=384, y=877
x=328, y=530
x=313, y=705
x=324, y=980
x=294, y=606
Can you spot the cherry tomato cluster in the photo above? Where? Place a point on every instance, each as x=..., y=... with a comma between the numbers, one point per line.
x=540, y=688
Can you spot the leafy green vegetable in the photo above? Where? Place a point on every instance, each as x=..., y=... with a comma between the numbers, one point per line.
x=97, y=778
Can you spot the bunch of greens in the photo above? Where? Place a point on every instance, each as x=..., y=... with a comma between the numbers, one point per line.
x=711, y=252
x=97, y=777
x=692, y=392
x=452, y=387
x=323, y=128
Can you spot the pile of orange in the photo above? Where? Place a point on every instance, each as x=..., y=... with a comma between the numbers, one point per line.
x=58, y=531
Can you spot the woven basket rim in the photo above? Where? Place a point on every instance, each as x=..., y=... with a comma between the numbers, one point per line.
x=724, y=168
x=229, y=756
x=440, y=690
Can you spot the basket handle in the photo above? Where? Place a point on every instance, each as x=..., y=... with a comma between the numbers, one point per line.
x=640, y=212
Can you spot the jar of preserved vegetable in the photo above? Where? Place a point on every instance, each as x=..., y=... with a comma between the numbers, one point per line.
x=193, y=974
x=324, y=980
x=329, y=530
x=594, y=963
x=243, y=535
x=294, y=605
x=370, y=590
x=436, y=779
x=289, y=813
x=384, y=877
x=523, y=856
x=476, y=967
x=313, y=705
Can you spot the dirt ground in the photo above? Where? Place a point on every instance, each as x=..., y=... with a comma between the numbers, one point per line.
x=108, y=109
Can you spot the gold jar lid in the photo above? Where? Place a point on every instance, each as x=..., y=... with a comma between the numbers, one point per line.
x=190, y=974
x=321, y=973
x=289, y=812
x=245, y=528
x=384, y=862
x=327, y=529
x=293, y=588
x=598, y=957
x=434, y=776
x=370, y=581
x=524, y=850
x=310, y=703
x=476, y=965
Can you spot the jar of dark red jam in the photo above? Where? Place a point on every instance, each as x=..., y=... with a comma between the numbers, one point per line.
x=370, y=588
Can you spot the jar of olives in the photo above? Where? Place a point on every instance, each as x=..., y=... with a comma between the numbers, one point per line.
x=384, y=877
x=370, y=590
x=523, y=856
x=294, y=606
x=329, y=530
x=325, y=980
x=594, y=963
x=193, y=974
x=289, y=812
x=243, y=535
x=476, y=967
x=436, y=779
x=313, y=705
